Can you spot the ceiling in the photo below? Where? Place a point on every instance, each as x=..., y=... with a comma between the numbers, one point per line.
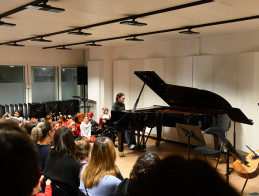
x=78, y=13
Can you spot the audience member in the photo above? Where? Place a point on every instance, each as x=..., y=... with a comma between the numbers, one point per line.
x=61, y=167
x=17, y=116
x=82, y=151
x=143, y=165
x=48, y=189
x=48, y=118
x=19, y=160
x=104, y=117
x=101, y=176
x=177, y=176
x=55, y=125
x=77, y=131
x=86, y=130
x=43, y=134
x=28, y=126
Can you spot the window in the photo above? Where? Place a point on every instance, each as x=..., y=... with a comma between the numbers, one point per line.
x=69, y=85
x=44, y=84
x=12, y=85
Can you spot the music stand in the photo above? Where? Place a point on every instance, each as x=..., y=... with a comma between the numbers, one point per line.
x=190, y=135
x=231, y=150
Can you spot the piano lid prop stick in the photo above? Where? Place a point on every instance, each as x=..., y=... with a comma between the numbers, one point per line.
x=136, y=103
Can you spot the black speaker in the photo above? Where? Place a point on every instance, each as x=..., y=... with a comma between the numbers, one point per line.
x=82, y=76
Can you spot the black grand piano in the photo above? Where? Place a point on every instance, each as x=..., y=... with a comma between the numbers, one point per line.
x=186, y=106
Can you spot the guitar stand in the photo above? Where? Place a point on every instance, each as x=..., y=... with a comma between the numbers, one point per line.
x=244, y=186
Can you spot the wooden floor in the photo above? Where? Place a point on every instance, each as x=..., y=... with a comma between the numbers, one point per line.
x=126, y=163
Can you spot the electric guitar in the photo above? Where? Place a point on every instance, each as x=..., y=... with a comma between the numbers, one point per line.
x=251, y=169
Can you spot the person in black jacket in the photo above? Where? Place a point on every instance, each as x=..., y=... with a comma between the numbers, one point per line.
x=61, y=167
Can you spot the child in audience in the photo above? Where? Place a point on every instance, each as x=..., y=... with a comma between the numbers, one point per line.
x=77, y=131
x=48, y=118
x=29, y=126
x=99, y=176
x=104, y=117
x=48, y=189
x=55, y=125
x=17, y=117
x=43, y=134
x=86, y=130
x=83, y=151
x=61, y=166
x=95, y=129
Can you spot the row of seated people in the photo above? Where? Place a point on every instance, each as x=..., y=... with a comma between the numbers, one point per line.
x=72, y=169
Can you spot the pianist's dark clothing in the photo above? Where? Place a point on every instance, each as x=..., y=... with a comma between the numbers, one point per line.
x=130, y=135
x=118, y=106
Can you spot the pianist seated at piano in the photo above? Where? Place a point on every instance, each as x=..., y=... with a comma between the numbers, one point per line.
x=119, y=105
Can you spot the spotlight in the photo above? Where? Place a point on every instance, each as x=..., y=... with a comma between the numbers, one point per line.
x=93, y=44
x=189, y=32
x=79, y=32
x=2, y=23
x=14, y=44
x=45, y=7
x=133, y=22
x=134, y=39
x=63, y=48
x=41, y=40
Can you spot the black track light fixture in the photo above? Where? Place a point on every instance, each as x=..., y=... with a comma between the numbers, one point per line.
x=189, y=32
x=45, y=7
x=2, y=23
x=15, y=44
x=93, y=44
x=79, y=32
x=41, y=39
x=133, y=22
x=134, y=39
x=63, y=48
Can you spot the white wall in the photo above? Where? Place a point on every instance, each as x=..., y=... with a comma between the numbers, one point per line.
x=226, y=65
x=36, y=56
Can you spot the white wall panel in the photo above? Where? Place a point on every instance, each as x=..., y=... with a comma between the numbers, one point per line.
x=95, y=86
x=245, y=98
x=121, y=80
x=135, y=83
x=202, y=72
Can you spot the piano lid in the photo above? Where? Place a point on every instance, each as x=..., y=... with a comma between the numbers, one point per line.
x=188, y=97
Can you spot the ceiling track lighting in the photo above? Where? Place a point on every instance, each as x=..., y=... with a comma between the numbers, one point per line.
x=64, y=48
x=189, y=32
x=93, y=44
x=133, y=22
x=15, y=44
x=45, y=7
x=2, y=23
x=79, y=32
x=41, y=40
x=134, y=39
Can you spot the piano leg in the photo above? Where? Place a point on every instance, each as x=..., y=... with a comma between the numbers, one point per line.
x=158, y=133
x=121, y=136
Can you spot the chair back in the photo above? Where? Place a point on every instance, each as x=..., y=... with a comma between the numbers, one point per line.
x=216, y=130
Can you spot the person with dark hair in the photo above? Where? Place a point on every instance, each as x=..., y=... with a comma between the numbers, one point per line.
x=177, y=176
x=17, y=116
x=28, y=126
x=143, y=165
x=101, y=176
x=61, y=167
x=42, y=135
x=19, y=159
x=82, y=151
x=49, y=118
x=119, y=105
